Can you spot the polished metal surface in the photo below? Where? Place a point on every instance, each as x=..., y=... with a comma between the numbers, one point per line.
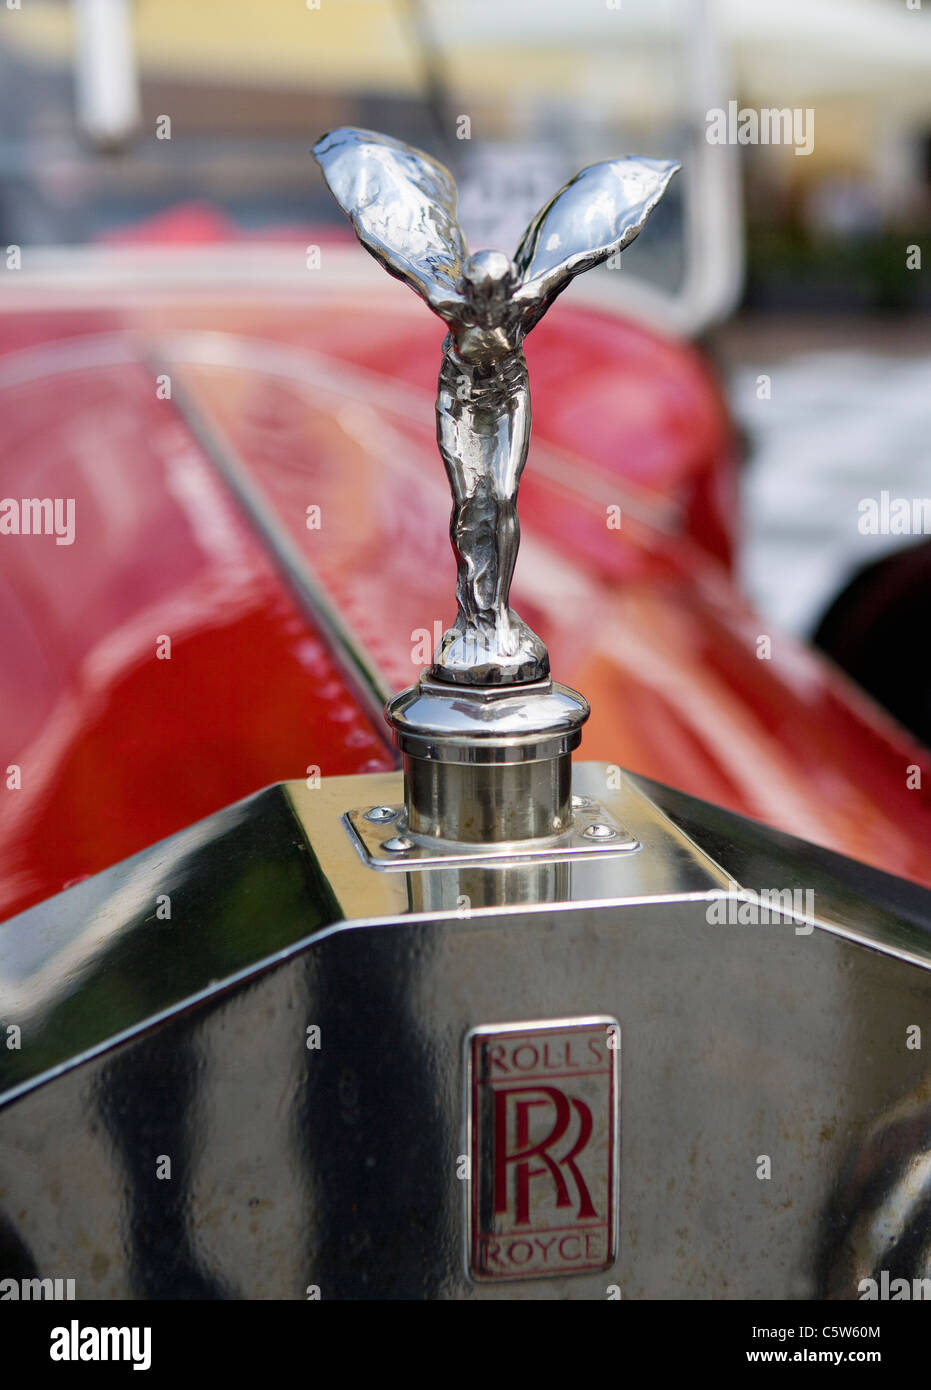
x=476, y=804
x=131, y=945
x=402, y=205
x=171, y=925
x=487, y=765
x=487, y=724
x=591, y=830
x=292, y=1038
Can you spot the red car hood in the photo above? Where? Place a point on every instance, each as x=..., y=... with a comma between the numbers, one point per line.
x=261, y=486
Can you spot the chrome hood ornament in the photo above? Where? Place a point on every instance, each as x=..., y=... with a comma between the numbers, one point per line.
x=402, y=205
x=486, y=736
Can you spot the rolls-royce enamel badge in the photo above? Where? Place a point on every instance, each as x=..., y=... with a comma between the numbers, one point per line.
x=543, y=1148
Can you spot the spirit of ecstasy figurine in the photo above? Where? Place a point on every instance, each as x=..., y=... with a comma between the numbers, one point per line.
x=402, y=205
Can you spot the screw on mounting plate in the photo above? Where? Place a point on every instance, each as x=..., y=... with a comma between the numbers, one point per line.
x=599, y=832
x=398, y=844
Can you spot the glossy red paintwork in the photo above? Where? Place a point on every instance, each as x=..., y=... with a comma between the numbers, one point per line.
x=329, y=404
x=116, y=747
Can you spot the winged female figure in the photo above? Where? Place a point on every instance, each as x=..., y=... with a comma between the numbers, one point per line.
x=402, y=205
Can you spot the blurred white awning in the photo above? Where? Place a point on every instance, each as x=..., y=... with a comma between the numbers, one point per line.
x=780, y=52
x=799, y=51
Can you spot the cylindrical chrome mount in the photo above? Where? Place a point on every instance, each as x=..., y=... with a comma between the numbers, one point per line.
x=487, y=763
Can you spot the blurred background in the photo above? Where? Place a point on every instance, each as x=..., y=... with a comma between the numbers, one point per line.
x=799, y=274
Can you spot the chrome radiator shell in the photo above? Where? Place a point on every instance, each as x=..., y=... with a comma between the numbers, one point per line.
x=332, y=1169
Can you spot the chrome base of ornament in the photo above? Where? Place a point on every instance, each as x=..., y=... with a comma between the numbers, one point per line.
x=491, y=652
x=381, y=836
x=487, y=765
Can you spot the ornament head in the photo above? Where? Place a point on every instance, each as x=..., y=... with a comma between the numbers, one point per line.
x=489, y=278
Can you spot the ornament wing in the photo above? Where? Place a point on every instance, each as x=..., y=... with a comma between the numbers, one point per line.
x=598, y=212
x=402, y=205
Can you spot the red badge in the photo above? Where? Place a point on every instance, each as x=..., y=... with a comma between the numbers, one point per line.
x=543, y=1148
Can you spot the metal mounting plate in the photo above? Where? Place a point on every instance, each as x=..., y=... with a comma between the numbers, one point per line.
x=372, y=834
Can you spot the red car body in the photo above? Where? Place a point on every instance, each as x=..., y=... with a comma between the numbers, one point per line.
x=192, y=430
